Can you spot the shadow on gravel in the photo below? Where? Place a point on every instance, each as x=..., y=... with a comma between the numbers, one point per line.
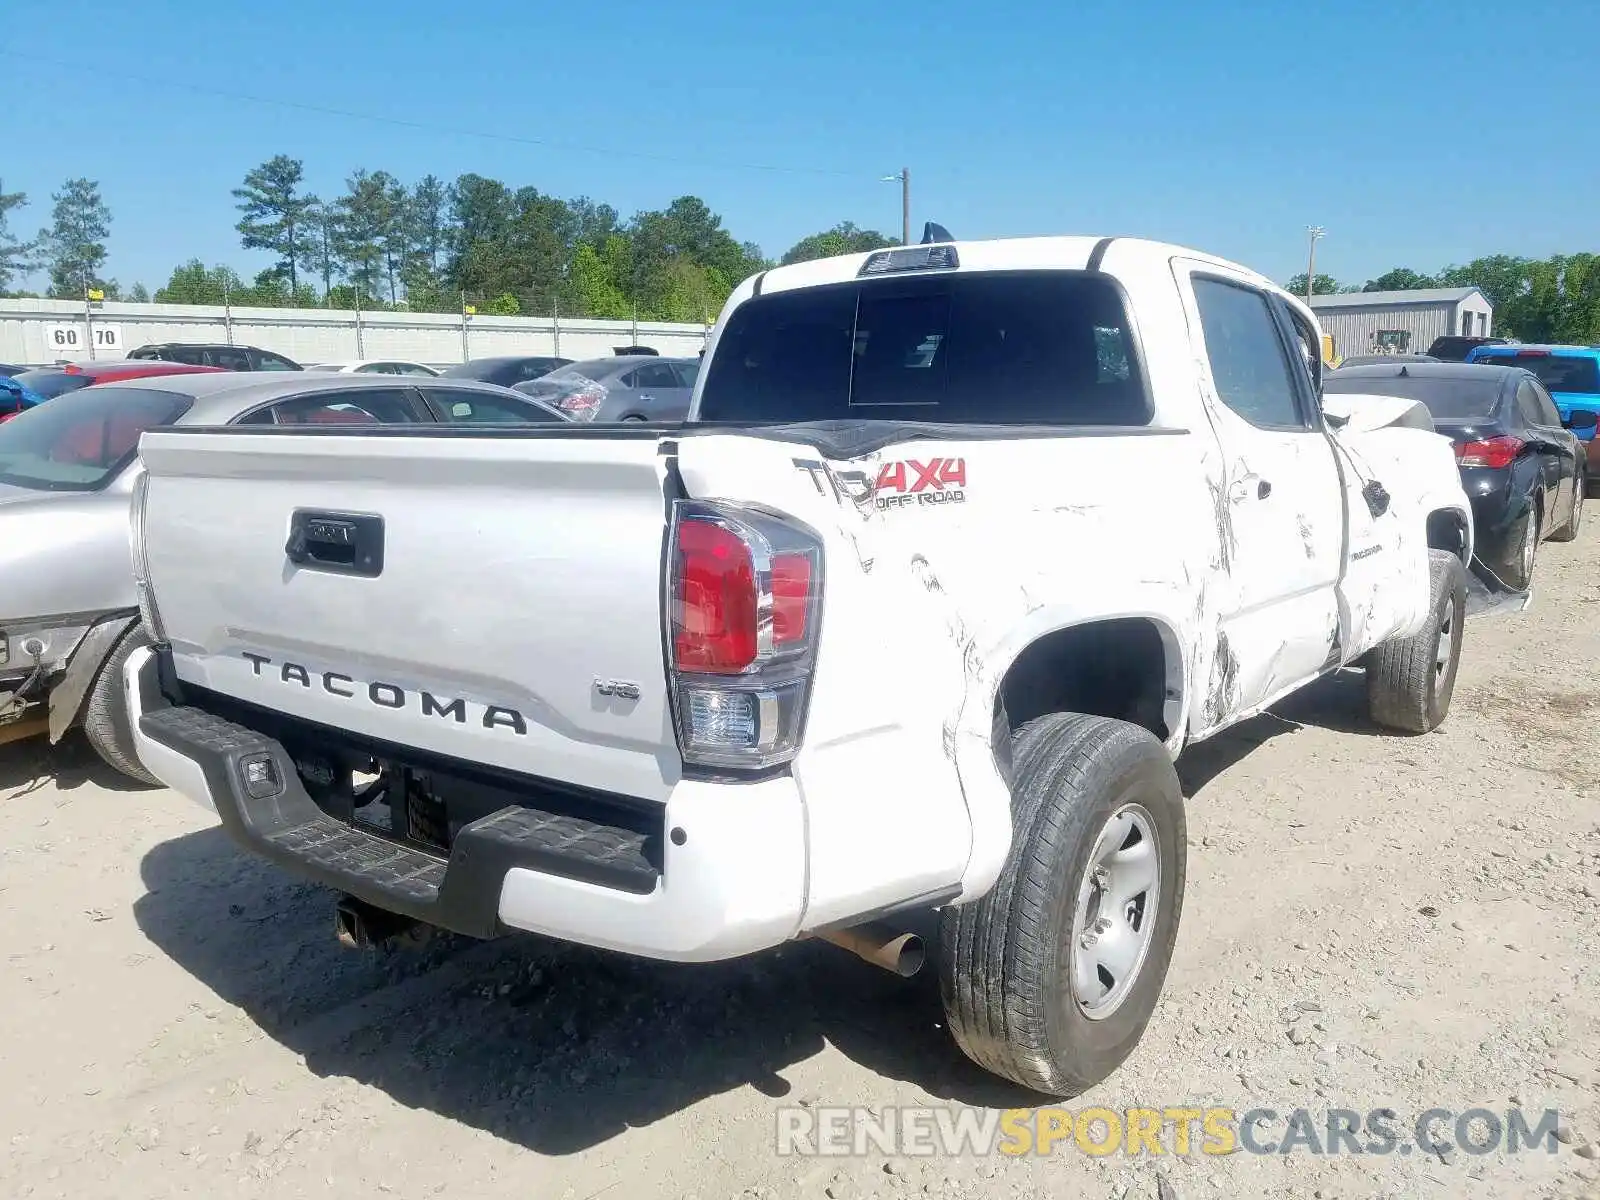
x=1336, y=702
x=553, y=1047
x=29, y=765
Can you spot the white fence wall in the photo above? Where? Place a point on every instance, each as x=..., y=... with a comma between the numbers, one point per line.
x=42, y=331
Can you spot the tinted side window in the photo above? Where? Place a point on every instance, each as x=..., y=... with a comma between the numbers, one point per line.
x=1547, y=407
x=363, y=406
x=687, y=373
x=1014, y=347
x=1248, y=363
x=1528, y=407
x=267, y=361
x=187, y=354
x=479, y=408
x=655, y=375
x=227, y=359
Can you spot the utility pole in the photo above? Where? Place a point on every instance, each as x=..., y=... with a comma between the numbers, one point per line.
x=903, y=178
x=1315, y=232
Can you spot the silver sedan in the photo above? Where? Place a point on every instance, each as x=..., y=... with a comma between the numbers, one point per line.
x=68, y=610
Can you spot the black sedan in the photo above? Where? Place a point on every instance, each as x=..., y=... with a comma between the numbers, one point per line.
x=1522, y=469
x=507, y=370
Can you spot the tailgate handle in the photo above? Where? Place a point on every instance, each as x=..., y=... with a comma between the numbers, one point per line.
x=343, y=543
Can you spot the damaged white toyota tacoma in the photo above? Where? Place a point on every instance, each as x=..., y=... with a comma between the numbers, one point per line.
x=963, y=544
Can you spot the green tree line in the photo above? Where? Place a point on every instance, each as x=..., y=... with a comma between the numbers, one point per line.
x=428, y=246
x=1555, y=299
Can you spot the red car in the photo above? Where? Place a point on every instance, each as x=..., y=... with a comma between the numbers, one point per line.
x=51, y=382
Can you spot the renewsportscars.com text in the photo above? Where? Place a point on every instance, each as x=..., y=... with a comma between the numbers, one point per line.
x=1153, y=1132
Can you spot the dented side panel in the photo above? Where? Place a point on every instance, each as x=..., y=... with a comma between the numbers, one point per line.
x=945, y=561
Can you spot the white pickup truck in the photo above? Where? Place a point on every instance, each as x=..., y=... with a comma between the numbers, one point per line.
x=963, y=544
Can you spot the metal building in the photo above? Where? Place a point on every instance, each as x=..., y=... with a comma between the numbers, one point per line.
x=1401, y=322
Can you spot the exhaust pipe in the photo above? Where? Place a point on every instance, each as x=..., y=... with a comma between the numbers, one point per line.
x=360, y=925
x=882, y=946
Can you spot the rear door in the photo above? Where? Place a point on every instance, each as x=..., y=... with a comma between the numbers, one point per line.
x=1281, y=511
x=660, y=394
x=1558, y=450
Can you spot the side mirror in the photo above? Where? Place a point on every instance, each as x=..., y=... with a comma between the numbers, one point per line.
x=1582, y=419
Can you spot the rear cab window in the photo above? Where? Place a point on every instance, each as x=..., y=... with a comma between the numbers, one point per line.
x=1576, y=373
x=82, y=441
x=1002, y=347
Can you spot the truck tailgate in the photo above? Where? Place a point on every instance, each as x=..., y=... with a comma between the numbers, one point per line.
x=514, y=618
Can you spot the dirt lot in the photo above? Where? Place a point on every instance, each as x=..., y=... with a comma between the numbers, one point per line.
x=1371, y=922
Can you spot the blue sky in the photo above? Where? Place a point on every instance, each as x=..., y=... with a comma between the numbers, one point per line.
x=1228, y=125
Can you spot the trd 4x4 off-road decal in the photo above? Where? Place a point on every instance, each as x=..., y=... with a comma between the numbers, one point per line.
x=898, y=485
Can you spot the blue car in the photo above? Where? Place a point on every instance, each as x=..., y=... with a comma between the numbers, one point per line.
x=1571, y=374
x=15, y=397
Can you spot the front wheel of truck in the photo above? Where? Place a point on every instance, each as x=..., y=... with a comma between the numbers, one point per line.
x=1049, y=979
x=1410, y=680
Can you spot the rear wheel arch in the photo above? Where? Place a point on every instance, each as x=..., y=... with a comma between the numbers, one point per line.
x=1448, y=530
x=1128, y=667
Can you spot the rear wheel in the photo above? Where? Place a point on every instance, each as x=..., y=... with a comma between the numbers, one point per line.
x=1569, y=531
x=106, y=721
x=1410, y=680
x=1519, y=570
x=1049, y=979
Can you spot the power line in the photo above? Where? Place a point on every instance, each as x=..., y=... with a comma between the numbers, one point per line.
x=426, y=126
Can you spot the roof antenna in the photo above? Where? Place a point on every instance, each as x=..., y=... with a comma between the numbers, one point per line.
x=935, y=233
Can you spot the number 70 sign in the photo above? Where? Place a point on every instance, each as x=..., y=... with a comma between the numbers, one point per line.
x=74, y=339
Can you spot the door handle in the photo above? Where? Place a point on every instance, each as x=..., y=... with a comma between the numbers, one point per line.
x=343, y=543
x=647, y=398
x=1242, y=489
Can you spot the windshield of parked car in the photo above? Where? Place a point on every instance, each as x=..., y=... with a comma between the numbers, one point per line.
x=80, y=442
x=1558, y=373
x=50, y=384
x=1449, y=398
x=1026, y=347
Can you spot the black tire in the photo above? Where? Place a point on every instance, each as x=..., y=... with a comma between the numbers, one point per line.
x=106, y=722
x=1519, y=567
x=1407, y=688
x=1005, y=962
x=1569, y=531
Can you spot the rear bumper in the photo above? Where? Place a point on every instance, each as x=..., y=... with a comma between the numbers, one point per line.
x=725, y=877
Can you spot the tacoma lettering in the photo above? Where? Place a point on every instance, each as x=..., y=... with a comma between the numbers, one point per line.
x=388, y=695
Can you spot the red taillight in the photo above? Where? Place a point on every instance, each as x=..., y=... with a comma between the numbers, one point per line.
x=1493, y=452
x=791, y=593
x=1533, y=354
x=744, y=600
x=584, y=403
x=717, y=622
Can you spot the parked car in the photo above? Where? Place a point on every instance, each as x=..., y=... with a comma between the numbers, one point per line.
x=632, y=388
x=7, y=370
x=375, y=366
x=229, y=358
x=1571, y=374
x=14, y=397
x=507, y=371
x=854, y=640
x=1453, y=347
x=67, y=467
x=1522, y=465
x=1367, y=360
x=50, y=382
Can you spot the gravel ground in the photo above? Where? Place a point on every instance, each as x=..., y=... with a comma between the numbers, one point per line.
x=1371, y=922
